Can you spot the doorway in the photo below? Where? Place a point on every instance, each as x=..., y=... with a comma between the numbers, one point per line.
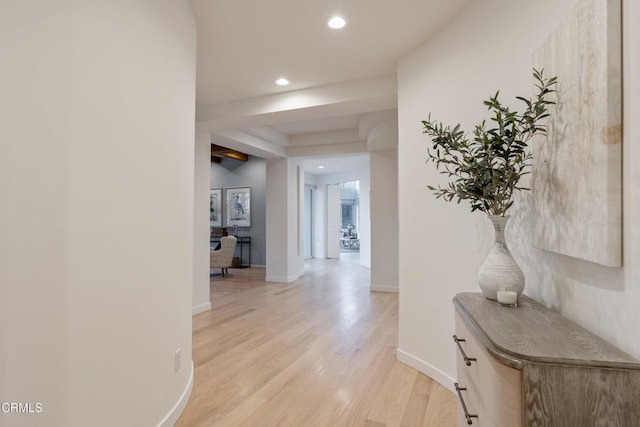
x=350, y=216
x=340, y=205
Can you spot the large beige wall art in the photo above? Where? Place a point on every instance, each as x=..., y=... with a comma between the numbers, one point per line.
x=577, y=189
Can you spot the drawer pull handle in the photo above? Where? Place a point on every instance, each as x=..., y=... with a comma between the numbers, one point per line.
x=467, y=360
x=464, y=406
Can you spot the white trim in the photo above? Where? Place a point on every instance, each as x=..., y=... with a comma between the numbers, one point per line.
x=201, y=308
x=288, y=279
x=176, y=411
x=427, y=369
x=258, y=265
x=390, y=289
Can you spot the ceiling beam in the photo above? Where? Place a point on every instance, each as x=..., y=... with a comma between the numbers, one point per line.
x=322, y=138
x=219, y=151
x=328, y=150
x=246, y=143
x=306, y=104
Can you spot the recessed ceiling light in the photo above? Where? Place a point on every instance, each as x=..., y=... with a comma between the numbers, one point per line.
x=282, y=81
x=320, y=167
x=337, y=22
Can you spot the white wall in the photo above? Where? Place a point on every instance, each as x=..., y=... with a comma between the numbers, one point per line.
x=97, y=134
x=384, y=220
x=489, y=47
x=201, y=284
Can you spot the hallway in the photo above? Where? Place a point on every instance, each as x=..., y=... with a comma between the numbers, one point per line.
x=316, y=352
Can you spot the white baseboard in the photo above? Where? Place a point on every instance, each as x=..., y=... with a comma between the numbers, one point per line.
x=390, y=289
x=258, y=265
x=281, y=279
x=200, y=308
x=427, y=369
x=176, y=411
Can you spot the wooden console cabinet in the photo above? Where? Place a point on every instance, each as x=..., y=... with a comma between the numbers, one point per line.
x=529, y=366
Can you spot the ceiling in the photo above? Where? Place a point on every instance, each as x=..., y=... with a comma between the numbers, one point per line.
x=342, y=81
x=331, y=165
x=349, y=121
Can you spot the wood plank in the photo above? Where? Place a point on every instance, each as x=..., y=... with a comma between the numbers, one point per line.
x=441, y=410
x=392, y=402
x=418, y=402
x=610, y=397
x=316, y=352
x=535, y=333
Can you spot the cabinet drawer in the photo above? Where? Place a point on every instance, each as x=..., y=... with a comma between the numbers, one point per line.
x=536, y=368
x=494, y=389
x=469, y=394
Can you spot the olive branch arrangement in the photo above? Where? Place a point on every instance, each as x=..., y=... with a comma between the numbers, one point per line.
x=486, y=170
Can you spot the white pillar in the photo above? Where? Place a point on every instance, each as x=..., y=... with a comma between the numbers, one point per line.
x=285, y=257
x=384, y=220
x=366, y=219
x=382, y=142
x=96, y=240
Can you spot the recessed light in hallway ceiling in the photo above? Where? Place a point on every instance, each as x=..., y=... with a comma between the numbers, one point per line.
x=337, y=22
x=282, y=81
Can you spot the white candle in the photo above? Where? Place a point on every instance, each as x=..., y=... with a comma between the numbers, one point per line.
x=507, y=297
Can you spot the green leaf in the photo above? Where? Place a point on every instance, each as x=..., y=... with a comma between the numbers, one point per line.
x=485, y=170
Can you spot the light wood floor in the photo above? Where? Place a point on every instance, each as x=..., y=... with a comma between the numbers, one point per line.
x=316, y=352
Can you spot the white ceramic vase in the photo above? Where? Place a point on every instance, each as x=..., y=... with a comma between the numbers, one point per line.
x=499, y=268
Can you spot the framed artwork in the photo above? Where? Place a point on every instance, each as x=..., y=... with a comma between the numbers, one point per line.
x=215, y=207
x=577, y=171
x=238, y=209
